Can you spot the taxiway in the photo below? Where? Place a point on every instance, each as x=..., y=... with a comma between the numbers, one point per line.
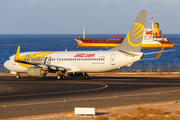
x=34, y=96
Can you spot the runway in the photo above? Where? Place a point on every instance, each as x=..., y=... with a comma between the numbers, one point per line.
x=34, y=96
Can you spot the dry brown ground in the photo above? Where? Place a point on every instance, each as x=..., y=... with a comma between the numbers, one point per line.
x=170, y=109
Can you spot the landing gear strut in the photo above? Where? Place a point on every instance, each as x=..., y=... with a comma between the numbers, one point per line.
x=84, y=76
x=60, y=77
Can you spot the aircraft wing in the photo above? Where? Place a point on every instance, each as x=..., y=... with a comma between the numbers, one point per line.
x=44, y=66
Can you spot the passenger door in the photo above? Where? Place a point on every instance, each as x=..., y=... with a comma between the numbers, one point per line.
x=112, y=59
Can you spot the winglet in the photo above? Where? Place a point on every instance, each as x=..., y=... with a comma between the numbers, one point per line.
x=159, y=54
x=17, y=54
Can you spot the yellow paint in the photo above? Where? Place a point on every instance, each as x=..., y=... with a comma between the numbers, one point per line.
x=17, y=54
x=132, y=44
x=31, y=71
x=37, y=54
x=157, y=45
x=141, y=30
x=136, y=24
x=156, y=29
x=116, y=44
x=159, y=54
x=98, y=44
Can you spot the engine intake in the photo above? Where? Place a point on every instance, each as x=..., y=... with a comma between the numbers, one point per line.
x=36, y=72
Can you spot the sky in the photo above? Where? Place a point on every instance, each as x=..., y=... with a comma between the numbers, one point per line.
x=98, y=16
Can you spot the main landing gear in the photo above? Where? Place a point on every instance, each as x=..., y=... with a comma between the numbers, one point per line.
x=60, y=77
x=84, y=76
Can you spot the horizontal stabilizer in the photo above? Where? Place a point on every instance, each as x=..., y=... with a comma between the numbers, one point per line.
x=128, y=53
x=159, y=52
x=158, y=55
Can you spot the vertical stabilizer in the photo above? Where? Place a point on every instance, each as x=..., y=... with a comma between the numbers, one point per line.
x=133, y=39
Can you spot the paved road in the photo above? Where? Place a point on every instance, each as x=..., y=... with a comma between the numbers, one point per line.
x=35, y=96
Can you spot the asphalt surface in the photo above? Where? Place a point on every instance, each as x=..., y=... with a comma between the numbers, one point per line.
x=36, y=96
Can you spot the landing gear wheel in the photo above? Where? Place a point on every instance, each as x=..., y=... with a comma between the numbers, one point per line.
x=17, y=76
x=84, y=77
x=61, y=77
x=58, y=77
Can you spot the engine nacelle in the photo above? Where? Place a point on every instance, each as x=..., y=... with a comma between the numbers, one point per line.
x=36, y=72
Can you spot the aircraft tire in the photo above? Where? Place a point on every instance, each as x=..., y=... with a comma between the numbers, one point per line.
x=61, y=77
x=84, y=77
x=17, y=76
x=58, y=77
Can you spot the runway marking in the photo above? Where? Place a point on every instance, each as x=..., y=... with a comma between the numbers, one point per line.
x=104, y=86
x=73, y=100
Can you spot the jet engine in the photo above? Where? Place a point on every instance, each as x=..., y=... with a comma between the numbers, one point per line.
x=36, y=72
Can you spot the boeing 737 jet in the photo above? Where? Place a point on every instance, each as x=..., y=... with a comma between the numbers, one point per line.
x=38, y=64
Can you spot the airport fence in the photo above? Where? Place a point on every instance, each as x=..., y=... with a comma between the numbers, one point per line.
x=137, y=66
x=153, y=67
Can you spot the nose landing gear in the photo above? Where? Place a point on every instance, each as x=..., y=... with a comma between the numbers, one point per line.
x=17, y=76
